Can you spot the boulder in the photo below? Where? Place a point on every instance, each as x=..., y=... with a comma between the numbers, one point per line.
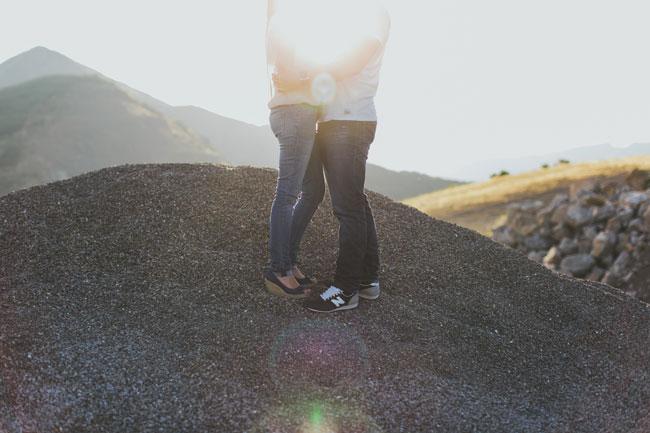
x=637, y=225
x=604, y=212
x=583, y=187
x=524, y=224
x=552, y=257
x=590, y=232
x=578, y=216
x=646, y=218
x=596, y=274
x=603, y=244
x=606, y=261
x=622, y=242
x=621, y=264
x=537, y=242
x=614, y=224
x=633, y=198
x=560, y=232
x=625, y=215
x=568, y=246
x=559, y=214
x=577, y=265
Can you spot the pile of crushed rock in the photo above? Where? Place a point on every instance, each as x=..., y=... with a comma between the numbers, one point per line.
x=131, y=300
x=600, y=231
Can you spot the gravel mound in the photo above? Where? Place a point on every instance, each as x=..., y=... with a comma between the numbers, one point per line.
x=131, y=300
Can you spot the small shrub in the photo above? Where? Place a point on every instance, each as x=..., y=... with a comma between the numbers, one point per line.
x=501, y=173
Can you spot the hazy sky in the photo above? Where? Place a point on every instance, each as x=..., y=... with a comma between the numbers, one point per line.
x=463, y=80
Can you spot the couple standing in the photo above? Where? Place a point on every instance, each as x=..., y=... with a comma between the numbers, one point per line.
x=323, y=115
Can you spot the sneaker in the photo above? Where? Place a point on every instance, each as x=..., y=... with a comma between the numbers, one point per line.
x=331, y=300
x=369, y=290
x=275, y=286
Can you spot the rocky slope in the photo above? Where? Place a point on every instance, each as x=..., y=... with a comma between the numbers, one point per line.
x=131, y=300
x=599, y=231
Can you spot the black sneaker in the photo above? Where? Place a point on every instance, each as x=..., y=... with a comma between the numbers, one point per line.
x=275, y=286
x=330, y=300
x=369, y=290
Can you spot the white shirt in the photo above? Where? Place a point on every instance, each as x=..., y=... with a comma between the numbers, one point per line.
x=355, y=96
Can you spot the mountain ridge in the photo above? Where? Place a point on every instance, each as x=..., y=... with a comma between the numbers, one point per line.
x=55, y=127
x=237, y=142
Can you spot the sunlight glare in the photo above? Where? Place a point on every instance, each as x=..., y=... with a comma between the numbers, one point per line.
x=323, y=32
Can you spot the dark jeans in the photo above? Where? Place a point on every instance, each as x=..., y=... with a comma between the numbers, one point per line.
x=295, y=128
x=341, y=148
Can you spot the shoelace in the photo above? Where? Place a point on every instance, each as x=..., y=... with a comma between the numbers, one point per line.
x=330, y=293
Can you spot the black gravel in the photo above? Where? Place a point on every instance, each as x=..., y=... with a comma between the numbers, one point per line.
x=131, y=301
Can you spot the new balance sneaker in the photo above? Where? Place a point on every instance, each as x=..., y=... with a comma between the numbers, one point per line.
x=369, y=290
x=330, y=300
x=275, y=286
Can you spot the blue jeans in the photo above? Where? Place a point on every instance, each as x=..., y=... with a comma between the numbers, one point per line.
x=295, y=128
x=341, y=149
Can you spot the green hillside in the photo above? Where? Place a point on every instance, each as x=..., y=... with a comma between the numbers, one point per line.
x=60, y=126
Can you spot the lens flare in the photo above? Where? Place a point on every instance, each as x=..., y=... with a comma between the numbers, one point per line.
x=318, y=352
x=316, y=413
x=323, y=88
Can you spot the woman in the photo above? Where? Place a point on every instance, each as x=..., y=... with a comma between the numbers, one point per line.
x=293, y=119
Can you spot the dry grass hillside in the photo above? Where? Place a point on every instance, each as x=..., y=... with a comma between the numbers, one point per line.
x=481, y=206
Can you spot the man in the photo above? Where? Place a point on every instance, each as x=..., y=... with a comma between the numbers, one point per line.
x=345, y=132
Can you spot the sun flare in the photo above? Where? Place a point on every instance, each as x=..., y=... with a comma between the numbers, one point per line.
x=323, y=32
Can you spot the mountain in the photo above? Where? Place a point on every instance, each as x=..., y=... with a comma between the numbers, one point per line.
x=236, y=142
x=484, y=169
x=245, y=144
x=37, y=63
x=131, y=301
x=59, y=126
x=400, y=185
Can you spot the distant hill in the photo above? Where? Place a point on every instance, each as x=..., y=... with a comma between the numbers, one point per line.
x=236, y=142
x=400, y=185
x=59, y=126
x=239, y=143
x=483, y=169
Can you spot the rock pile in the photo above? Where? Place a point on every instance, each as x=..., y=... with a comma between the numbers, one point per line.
x=131, y=301
x=599, y=230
